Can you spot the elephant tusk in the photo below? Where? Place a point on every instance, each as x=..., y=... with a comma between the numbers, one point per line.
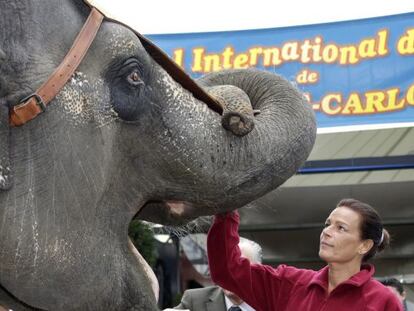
x=150, y=274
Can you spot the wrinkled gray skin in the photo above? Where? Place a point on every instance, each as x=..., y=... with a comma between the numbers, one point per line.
x=238, y=113
x=109, y=147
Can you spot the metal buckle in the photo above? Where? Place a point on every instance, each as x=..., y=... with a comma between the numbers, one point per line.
x=39, y=101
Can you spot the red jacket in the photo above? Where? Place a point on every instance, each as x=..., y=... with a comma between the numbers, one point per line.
x=287, y=288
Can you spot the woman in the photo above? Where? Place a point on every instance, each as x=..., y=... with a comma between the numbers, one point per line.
x=353, y=234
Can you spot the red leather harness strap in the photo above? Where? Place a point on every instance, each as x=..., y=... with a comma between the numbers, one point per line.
x=34, y=104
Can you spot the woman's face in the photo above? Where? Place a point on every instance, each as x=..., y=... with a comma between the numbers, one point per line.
x=340, y=240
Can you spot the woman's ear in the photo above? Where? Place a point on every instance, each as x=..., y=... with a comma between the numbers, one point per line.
x=365, y=246
x=5, y=165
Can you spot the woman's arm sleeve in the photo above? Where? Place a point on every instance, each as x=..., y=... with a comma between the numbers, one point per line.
x=255, y=283
x=394, y=305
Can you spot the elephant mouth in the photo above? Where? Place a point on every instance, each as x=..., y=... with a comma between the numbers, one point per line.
x=170, y=212
x=167, y=212
x=179, y=208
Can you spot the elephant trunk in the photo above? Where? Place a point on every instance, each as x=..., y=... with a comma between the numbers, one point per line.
x=221, y=171
x=238, y=114
x=283, y=136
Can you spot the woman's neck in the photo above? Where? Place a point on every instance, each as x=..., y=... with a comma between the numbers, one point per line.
x=340, y=272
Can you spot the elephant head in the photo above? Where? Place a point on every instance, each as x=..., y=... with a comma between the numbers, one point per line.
x=125, y=137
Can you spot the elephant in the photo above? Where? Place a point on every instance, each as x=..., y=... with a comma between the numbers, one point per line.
x=128, y=135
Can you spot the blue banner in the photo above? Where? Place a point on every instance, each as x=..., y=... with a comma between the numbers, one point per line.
x=357, y=72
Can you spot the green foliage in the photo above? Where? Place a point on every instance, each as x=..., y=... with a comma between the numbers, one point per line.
x=143, y=239
x=177, y=299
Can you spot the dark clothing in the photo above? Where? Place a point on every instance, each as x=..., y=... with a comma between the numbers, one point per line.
x=287, y=288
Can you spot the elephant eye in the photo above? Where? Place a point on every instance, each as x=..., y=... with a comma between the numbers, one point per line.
x=134, y=78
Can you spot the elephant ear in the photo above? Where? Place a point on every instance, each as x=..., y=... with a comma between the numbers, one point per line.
x=5, y=168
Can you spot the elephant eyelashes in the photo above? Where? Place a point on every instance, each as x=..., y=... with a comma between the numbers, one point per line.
x=134, y=78
x=127, y=86
x=132, y=71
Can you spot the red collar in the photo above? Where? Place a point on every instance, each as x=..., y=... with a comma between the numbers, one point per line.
x=358, y=279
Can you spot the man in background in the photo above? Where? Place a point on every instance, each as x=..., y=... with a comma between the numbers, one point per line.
x=215, y=298
x=397, y=288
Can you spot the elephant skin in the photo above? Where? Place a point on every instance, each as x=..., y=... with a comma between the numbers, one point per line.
x=122, y=139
